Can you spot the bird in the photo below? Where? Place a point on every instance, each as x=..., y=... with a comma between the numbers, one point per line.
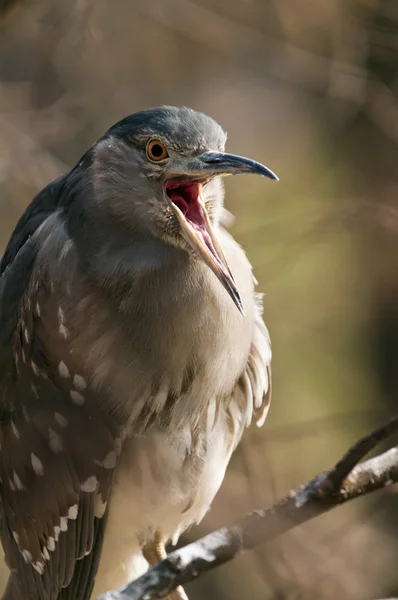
x=133, y=354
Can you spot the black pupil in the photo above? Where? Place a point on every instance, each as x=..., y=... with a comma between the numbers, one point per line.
x=157, y=150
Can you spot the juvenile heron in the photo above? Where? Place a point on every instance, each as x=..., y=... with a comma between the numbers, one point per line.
x=132, y=355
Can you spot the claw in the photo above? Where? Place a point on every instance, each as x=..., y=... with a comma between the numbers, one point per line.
x=155, y=551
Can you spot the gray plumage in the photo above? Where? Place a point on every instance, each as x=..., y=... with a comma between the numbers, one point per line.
x=127, y=372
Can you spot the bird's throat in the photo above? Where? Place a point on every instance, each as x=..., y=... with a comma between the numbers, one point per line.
x=185, y=200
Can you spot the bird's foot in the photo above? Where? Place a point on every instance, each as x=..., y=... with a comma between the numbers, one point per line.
x=155, y=551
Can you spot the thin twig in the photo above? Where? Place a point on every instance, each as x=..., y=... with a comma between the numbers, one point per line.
x=345, y=481
x=352, y=457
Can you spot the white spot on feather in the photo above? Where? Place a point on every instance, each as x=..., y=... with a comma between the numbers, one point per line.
x=26, y=335
x=15, y=430
x=39, y=567
x=36, y=464
x=61, y=420
x=63, y=523
x=72, y=512
x=63, y=331
x=38, y=309
x=15, y=535
x=35, y=368
x=109, y=461
x=57, y=531
x=77, y=398
x=27, y=556
x=17, y=482
x=63, y=370
x=90, y=485
x=55, y=440
x=61, y=318
x=51, y=544
x=79, y=382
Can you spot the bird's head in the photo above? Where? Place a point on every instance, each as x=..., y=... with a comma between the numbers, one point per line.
x=159, y=171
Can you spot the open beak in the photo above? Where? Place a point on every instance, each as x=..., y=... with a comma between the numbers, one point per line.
x=183, y=191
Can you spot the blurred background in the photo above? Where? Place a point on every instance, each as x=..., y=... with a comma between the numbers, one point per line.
x=311, y=89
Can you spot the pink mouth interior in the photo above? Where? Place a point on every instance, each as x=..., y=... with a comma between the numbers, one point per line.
x=186, y=197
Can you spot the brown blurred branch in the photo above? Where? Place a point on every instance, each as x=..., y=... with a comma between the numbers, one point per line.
x=345, y=481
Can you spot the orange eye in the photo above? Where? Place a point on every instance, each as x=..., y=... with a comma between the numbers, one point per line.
x=156, y=151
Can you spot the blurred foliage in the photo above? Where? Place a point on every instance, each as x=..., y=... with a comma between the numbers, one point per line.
x=311, y=89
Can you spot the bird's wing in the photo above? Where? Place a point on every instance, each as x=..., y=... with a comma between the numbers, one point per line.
x=57, y=450
x=259, y=366
x=251, y=396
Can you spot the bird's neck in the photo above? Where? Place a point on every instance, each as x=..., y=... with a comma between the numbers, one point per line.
x=114, y=254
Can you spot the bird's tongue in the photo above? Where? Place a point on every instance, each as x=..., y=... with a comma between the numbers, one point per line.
x=197, y=230
x=186, y=198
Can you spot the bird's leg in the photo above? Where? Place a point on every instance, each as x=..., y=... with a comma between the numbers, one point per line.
x=155, y=551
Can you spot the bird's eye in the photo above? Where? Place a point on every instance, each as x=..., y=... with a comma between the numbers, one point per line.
x=156, y=151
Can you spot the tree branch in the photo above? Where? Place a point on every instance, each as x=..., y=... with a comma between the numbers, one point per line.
x=345, y=481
